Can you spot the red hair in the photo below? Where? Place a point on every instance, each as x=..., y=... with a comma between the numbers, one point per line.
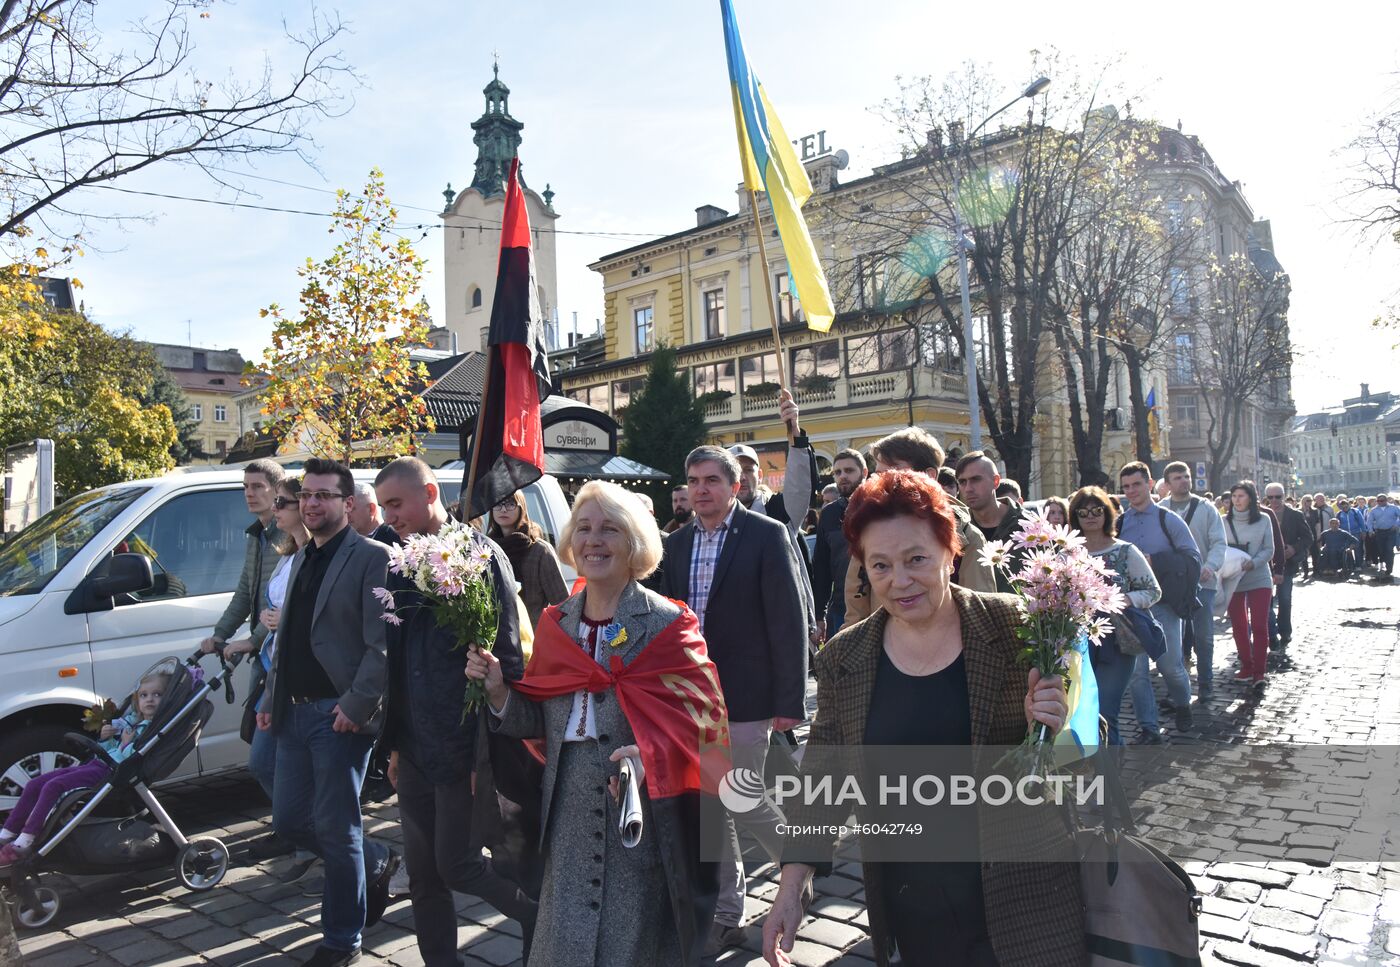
x=900, y=493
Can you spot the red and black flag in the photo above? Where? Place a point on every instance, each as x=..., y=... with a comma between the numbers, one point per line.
x=508, y=448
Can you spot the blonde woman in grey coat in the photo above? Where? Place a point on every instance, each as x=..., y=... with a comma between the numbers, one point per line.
x=603, y=902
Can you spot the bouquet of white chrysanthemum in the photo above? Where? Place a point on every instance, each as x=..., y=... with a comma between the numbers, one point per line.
x=452, y=571
x=1064, y=595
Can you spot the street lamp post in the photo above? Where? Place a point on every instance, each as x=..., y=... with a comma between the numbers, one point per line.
x=969, y=353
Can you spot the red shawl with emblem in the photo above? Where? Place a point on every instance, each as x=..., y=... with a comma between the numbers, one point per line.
x=669, y=692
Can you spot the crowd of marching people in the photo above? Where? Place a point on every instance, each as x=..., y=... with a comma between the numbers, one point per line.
x=703, y=633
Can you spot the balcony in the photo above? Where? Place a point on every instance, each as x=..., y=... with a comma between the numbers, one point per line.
x=869, y=390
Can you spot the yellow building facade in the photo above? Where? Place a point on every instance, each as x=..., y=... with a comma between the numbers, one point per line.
x=702, y=291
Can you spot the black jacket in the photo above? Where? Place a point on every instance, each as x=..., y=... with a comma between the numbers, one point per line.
x=754, y=624
x=1297, y=534
x=427, y=681
x=831, y=556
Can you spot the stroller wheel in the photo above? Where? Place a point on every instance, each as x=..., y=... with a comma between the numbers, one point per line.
x=41, y=912
x=201, y=863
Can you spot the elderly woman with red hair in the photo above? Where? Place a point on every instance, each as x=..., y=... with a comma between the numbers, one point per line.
x=937, y=665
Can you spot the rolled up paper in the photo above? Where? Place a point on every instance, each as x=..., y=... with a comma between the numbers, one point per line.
x=629, y=824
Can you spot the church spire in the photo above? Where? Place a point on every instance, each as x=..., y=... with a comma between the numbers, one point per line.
x=497, y=137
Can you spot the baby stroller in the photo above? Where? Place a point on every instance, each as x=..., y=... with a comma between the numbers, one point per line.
x=76, y=840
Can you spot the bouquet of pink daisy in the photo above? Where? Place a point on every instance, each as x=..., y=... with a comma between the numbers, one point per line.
x=1065, y=594
x=452, y=571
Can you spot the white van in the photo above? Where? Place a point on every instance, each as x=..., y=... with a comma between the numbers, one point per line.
x=81, y=616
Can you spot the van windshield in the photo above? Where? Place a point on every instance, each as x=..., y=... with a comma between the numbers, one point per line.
x=30, y=559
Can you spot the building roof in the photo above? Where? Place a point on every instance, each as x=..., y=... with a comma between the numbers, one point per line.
x=192, y=380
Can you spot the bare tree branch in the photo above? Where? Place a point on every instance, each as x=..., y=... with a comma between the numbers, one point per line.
x=75, y=114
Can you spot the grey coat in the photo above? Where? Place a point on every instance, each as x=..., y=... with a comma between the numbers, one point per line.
x=1258, y=539
x=348, y=635
x=644, y=614
x=259, y=561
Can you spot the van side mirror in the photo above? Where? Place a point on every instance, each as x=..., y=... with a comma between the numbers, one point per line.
x=123, y=574
x=119, y=574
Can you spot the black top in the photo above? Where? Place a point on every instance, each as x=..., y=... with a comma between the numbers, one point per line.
x=931, y=900
x=830, y=558
x=303, y=674
x=385, y=534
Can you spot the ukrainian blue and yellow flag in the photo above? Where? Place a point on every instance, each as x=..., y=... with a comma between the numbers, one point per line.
x=1153, y=423
x=770, y=165
x=1080, y=736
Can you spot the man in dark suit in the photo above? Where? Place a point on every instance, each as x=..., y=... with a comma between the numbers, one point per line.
x=738, y=572
x=327, y=686
x=431, y=744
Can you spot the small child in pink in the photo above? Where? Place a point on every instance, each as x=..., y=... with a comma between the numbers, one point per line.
x=42, y=792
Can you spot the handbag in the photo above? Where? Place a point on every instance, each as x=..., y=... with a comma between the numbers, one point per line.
x=1141, y=629
x=1140, y=907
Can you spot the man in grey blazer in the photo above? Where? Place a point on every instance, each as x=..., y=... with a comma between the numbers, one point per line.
x=738, y=572
x=327, y=687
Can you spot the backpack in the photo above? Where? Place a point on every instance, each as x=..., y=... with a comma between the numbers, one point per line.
x=1178, y=574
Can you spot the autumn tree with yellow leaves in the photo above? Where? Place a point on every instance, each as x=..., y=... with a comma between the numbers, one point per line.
x=66, y=378
x=341, y=381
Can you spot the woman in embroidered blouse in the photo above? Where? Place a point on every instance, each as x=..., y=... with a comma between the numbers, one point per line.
x=1093, y=512
x=602, y=902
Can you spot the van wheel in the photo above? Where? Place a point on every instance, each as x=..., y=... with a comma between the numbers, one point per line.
x=28, y=754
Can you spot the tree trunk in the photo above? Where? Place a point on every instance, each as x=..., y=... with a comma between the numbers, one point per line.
x=1142, y=434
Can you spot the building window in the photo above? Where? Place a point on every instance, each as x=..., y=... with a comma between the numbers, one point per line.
x=713, y=300
x=1186, y=413
x=1185, y=357
x=220, y=413
x=222, y=447
x=1180, y=289
x=818, y=359
x=1176, y=216
x=757, y=370
x=881, y=352
x=624, y=391
x=642, y=328
x=197, y=411
x=474, y=297
x=715, y=378
x=594, y=396
x=870, y=271
x=788, y=308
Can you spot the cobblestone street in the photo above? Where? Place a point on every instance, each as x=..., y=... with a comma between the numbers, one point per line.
x=1338, y=683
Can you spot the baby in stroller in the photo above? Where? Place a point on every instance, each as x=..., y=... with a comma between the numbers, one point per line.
x=26, y=820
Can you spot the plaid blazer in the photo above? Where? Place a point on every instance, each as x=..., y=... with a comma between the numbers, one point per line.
x=1034, y=909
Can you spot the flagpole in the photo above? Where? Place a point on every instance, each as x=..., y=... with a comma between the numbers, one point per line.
x=772, y=306
x=469, y=482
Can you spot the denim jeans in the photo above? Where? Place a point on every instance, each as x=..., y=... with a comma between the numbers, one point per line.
x=1112, y=670
x=1171, y=666
x=1281, y=609
x=316, y=806
x=1198, y=636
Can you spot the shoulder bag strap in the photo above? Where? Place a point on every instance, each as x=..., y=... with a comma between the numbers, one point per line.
x=1191, y=511
x=1162, y=521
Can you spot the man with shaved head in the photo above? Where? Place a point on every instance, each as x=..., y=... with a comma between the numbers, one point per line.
x=996, y=517
x=431, y=744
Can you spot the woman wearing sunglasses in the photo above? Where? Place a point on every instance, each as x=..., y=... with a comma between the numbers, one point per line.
x=1094, y=514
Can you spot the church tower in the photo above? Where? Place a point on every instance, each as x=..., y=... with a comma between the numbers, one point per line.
x=472, y=225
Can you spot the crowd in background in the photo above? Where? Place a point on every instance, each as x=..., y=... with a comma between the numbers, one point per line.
x=870, y=579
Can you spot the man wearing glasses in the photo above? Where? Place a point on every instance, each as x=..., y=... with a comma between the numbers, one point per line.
x=327, y=685
x=1297, y=538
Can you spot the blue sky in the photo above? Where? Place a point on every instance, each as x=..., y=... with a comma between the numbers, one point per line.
x=627, y=116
